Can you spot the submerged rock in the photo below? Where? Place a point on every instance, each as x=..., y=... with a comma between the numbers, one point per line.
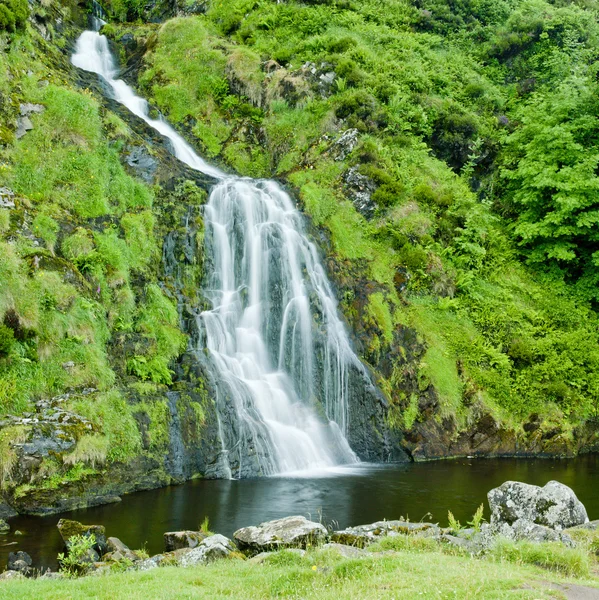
x=555, y=505
x=174, y=540
x=289, y=532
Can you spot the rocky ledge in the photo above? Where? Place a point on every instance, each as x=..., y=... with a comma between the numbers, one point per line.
x=519, y=511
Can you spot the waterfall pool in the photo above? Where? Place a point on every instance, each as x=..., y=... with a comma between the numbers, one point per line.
x=338, y=497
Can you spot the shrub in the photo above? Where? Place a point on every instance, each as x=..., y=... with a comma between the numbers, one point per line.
x=80, y=553
x=13, y=14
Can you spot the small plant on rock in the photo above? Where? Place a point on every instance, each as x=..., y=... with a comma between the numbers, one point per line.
x=477, y=518
x=454, y=524
x=80, y=554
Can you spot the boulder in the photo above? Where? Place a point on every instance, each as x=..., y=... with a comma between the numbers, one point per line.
x=174, y=540
x=555, y=505
x=526, y=530
x=289, y=532
x=212, y=548
x=68, y=529
x=363, y=535
x=19, y=561
x=11, y=575
x=117, y=551
x=4, y=526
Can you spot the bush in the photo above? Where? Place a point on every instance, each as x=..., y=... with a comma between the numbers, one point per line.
x=13, y=14
x=80, y=554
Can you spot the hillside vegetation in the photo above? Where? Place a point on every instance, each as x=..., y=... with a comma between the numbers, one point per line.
x=476, y=146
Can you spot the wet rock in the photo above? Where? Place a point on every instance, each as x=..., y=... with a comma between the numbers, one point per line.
x=141, y=161
x=68, y=529
x=345, y=551
x=555, y=505
x=4, y=526
x=288, y=532
x=364, y=535
x=174, y=540
x=212, y=548
x=19, y=561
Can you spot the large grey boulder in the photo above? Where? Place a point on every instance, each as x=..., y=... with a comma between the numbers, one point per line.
x=290, y=532
x=212, y=548
x=555, y=505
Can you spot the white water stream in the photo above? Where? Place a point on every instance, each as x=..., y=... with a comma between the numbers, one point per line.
x=278, y=352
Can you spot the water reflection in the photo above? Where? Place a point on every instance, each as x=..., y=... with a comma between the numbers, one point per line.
x=342, y=496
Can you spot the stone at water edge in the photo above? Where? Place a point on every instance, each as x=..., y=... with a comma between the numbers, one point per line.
x=68, y=529
x=19, y=561
x=214, y=547
x=289, y=532
x=174, y=540
x=555, y=505
x=117, y=550
x=4, y=526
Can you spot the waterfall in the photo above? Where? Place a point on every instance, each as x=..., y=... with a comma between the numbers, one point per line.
x=278, y=353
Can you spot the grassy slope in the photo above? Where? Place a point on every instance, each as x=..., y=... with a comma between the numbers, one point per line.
x=79, y=261
x=322, y=575
x=500, y=335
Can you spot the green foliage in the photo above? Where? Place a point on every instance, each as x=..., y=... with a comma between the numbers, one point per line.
x=76, y=561
x=13, y=14
x=112, y=416
x=477, y=518
x=572, y=562
x=454, y=524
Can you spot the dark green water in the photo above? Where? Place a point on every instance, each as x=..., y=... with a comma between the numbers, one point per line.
x=349, y=497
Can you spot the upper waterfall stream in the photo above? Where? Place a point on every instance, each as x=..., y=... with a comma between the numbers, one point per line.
x=278, y=352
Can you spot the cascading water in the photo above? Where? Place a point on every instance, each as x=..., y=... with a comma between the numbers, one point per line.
x=278, y=354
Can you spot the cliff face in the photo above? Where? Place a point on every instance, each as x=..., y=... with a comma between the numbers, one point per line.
x=101, y=262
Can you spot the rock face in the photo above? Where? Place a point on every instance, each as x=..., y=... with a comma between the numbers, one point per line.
x=175, y=540
x=290, y=532
x=212, y=548
x=555, y=505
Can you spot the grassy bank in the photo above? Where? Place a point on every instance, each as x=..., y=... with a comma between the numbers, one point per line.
x=416, y=570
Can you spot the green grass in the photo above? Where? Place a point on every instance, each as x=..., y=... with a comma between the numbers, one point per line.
x=319, y=575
